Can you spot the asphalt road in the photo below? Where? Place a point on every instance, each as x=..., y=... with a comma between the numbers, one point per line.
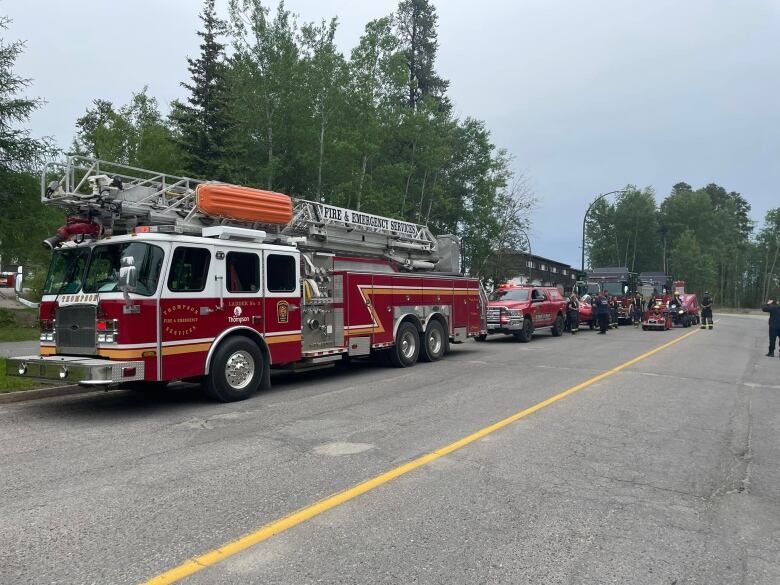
x=666, y=471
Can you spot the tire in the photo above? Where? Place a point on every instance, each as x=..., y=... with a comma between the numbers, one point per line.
x=406, y=350
x=527, y=332
x=481, y=337
x=433, y=342
x=557, y=329
x=236, y=370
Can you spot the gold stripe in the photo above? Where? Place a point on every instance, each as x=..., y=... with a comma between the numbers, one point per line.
x=189, y=348
x=283, y=338
x=48, y=350
x=122, y=353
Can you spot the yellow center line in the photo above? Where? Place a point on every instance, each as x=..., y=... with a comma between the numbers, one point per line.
x=234, y=547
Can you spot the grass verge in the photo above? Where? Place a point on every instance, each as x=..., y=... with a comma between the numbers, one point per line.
x=19, y=325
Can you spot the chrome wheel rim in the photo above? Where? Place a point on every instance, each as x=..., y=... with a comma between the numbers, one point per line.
x=434, y=341
x=408, y=345
x=239, y=370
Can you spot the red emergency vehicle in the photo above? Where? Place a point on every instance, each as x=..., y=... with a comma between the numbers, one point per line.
x=157, y=278
x=520, y=310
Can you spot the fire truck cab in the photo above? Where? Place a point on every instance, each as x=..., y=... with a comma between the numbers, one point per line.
x=225, y=302
x=520, y=310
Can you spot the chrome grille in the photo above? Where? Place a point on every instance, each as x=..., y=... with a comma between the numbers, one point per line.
x=494, y=314
x=75, y=329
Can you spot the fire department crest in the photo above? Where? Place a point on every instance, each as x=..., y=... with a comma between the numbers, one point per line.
x=282, y=312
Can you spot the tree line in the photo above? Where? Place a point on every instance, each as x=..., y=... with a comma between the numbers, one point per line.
x=703, y=236
x=273, y=103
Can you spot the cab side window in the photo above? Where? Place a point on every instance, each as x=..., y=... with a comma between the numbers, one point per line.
x=280, y=273
x=189, y=269
x=243, y=272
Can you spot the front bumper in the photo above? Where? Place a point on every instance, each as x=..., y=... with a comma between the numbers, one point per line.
x=75, y=370
x=509, y=326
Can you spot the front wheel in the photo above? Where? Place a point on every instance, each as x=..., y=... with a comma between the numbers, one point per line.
x=527, y=332
x=407, y=346
x=434, y=342
x=557, y=328
x=236, y=370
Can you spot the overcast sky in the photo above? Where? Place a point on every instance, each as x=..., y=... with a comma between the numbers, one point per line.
x=587, y=96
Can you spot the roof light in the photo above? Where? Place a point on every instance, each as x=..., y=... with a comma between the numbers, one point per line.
x=158, y=229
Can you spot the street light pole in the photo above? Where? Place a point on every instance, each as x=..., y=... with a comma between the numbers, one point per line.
x=585, y=217
x=529, y=255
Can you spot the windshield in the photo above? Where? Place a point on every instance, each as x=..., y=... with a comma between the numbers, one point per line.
x=66, y=272
x=613, y=288
x=103, y=273
x=509, y=294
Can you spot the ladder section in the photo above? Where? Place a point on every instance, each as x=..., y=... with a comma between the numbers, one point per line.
x=119, y=197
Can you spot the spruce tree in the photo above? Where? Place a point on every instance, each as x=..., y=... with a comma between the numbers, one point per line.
x=18, y=150
x=416, y=24
x=204, y=123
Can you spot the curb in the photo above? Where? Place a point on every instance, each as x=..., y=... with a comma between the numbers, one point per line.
x=25, y=395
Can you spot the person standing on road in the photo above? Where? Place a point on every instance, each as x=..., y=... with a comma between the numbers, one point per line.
x=706, y=310
x=637, y=311
x=773, y=308
x=602, y=313
x=614, y=315
x=573, y=312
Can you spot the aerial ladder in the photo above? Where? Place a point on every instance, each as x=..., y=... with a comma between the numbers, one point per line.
x=103, y=198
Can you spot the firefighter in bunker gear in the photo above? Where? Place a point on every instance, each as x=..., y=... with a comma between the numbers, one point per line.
x=614, y=315
x=573, y=312
x=773, y=308
x=706, y=310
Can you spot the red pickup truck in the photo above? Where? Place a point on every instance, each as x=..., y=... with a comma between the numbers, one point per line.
x=520, y=310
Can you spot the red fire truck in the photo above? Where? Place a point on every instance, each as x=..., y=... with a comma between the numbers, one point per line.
x=157, y=278
x=520, y=310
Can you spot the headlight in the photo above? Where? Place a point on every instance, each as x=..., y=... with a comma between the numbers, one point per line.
x=680, y=312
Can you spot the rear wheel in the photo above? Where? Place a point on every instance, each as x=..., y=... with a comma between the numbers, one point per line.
x=557, y=328
x=407, y=346
x=527, y=332
x=236, y=370
x=434, y=342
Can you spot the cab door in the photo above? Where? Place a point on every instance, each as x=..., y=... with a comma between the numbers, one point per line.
x=539, y=308
x=239, y=277
x=282, y=292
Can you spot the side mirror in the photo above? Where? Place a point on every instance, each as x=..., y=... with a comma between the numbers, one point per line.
x=128, y=278
x=19, y=288
x=18, y=281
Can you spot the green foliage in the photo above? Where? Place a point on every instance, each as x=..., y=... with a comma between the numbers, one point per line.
x=372, y=132
x=204, y=125
x=625, y=233
x=690, y=263
x=18, y=150
x=416, y=29
x=701, y=236
x=24, y=222
x=135, y=134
